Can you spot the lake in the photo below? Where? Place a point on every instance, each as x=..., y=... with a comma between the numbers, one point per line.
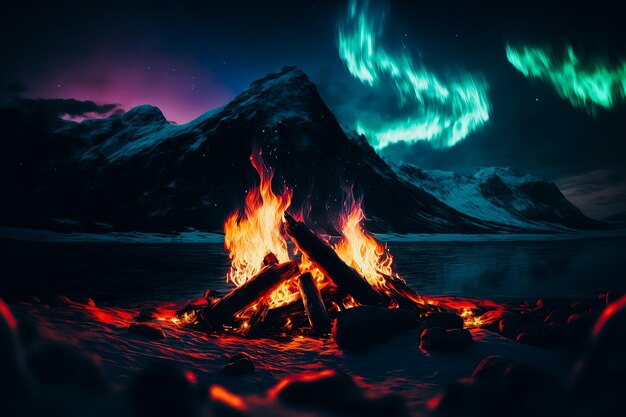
x=120, y=273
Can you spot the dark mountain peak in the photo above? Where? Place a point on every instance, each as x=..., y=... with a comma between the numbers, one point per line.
x=287, y=74
x=144, y=114
x=279, y=96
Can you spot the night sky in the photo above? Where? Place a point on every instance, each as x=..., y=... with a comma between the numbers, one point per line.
x=187, y=58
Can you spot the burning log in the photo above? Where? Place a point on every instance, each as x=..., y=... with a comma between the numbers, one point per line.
x=325, y=258
x=277, y=318
x=256, y=288
x=314, y=305
x=406, y=297
x=270, y=259
x=254, y=324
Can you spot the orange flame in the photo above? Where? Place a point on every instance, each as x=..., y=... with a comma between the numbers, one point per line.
x=250, y=234
x=359, y=249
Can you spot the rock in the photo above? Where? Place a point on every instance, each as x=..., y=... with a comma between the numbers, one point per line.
x=611, y=326
x=492, y=368
x=361, y=327
x=162, y=389
x=595, y=312
x=550, y=338
x=613, y=295
x=535, y=338
x=14, y=378
x=58, y=301
x=307, y=389
x=557, y=317
x=446, y=321
x=519, y=378
x=334, y=391
x=86, y=301
x=473, y=398
x=511, y=326
x=445, y=340
x=579, y=307
x=581, y=319
x=145, y=315
x=33, y=300
x=60, y=364
x=599, y=375
x=239, y=366
x=237, y=356
x=147, y=330
x=540, y=304
x=29, y=332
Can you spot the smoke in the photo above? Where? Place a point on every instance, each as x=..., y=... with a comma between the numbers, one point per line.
x=425, y=107
x=587, y=85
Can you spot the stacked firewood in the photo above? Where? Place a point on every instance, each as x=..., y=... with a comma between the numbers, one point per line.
x=313, y=312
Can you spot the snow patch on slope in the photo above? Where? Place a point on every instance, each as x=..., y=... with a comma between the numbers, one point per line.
x=490, y=194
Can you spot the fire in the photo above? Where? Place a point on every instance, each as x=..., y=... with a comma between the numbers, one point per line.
x=318, y=277
x=250, y=234
x=257, y=229
x=359, y=249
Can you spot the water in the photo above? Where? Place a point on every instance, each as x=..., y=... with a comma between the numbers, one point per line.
x=117, y=273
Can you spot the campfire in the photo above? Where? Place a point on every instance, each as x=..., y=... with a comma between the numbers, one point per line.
x=289, y=279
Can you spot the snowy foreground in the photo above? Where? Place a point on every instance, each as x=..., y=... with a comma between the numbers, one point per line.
x=80, y=359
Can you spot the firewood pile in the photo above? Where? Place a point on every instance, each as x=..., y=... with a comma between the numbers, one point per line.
x=247, y=310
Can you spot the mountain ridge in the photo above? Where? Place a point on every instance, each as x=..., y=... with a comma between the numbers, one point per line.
x=136, y=171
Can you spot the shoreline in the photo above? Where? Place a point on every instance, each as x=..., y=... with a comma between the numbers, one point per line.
x=197, y=237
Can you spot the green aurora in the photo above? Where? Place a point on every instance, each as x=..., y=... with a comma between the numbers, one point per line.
x=442, y=112
x=584, y=85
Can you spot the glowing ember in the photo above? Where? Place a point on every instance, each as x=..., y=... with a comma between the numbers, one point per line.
x=469, y=319
x=359, y=249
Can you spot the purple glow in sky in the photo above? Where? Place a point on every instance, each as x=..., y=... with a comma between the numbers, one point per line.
x=181, y=87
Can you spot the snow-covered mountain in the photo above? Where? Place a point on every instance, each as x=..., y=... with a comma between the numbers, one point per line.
x=504, y=196
x=136, y=171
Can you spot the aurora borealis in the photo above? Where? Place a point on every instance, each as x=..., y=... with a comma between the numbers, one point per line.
x=442, y=112
x=588, y=84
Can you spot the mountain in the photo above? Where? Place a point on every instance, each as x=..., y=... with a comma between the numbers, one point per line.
x=504, y=196
x=136, y=171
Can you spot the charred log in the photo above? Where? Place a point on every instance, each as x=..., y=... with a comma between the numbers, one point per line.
x=325, y=258
x=406, y=297
x=255, y=323
x=256, y=288
x=270, y=259
x=314, y=305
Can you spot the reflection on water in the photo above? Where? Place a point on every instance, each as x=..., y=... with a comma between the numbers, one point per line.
x=115, y=272
x=566, y=268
